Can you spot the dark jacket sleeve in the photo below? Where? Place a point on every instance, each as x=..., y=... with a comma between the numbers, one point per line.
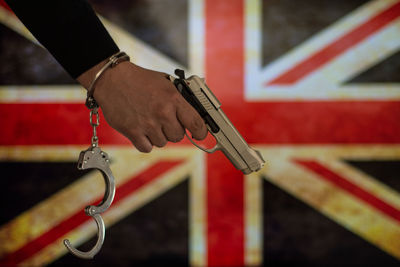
x=69, y=29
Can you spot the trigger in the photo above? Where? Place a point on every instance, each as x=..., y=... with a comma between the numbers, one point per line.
x=208, y=150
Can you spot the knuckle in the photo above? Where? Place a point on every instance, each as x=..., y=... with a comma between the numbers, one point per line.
x=175, y=97
x=179, y=101
x=196, y=125
x=149, y=126
x=164, y=112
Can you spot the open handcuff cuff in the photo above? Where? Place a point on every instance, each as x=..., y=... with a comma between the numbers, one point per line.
x=95, y=158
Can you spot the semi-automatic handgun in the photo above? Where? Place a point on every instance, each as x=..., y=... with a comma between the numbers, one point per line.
x=229, y=140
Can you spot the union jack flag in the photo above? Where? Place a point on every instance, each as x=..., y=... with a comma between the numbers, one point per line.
x=314, y=85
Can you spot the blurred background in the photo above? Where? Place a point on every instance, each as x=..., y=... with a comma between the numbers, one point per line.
x=313, y=84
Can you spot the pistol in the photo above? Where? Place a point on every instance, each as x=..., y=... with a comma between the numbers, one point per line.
x=229, y=141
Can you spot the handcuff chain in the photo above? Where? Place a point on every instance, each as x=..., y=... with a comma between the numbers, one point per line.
x=94, y=114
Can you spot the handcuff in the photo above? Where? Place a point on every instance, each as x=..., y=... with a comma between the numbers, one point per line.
x=95, y=158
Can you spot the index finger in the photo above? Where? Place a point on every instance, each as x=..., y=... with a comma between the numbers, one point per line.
x=191, y=120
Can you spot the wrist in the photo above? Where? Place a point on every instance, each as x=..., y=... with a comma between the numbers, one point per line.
x=110, y=63
x=90, y=77
x=86, y=78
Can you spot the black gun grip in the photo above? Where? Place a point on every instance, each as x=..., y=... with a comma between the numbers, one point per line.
x=192, y=100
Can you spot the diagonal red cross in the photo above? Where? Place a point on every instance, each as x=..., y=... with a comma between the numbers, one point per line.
x=286, y=122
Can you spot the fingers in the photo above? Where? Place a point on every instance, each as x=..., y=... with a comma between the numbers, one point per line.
x=173, y=131
x=142, y=143
x=155, y=135
x=191, y=120
x=157, y=138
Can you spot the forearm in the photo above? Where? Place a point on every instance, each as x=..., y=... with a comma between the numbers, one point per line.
x=69, y=29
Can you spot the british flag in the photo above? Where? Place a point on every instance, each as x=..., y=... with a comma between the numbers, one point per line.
x=313, y=84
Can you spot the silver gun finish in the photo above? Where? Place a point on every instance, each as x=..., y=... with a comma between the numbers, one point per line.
x=228, y=138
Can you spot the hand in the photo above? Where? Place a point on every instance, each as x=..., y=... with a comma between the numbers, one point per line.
x=144, y=106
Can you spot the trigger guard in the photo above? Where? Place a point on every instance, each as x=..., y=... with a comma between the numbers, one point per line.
x=208, y=150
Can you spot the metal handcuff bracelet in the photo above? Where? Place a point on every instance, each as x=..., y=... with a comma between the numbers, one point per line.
x=95, y=158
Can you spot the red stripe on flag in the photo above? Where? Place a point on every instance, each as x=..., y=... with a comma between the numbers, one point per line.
x=338, y=47
x=268, y=123
x=351, y=188
x=69, y=224
x=225, y=212
x=312, y=122
x=51, y=124
x=224, y=72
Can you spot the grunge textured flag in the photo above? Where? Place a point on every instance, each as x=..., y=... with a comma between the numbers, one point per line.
x=313, y=84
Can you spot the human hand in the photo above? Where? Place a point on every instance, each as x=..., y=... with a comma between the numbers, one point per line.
x=144, y=106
